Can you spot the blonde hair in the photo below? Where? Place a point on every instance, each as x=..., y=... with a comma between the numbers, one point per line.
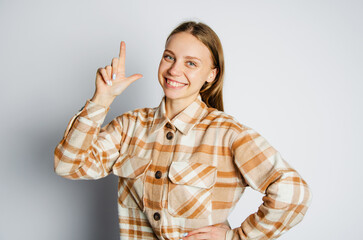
x=211, y=92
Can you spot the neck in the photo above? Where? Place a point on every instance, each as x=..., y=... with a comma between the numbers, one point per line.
x=174, y=106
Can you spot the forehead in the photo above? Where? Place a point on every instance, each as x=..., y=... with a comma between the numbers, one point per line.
x=185, y=44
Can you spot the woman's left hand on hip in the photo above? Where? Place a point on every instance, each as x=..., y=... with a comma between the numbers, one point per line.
x=216, y=231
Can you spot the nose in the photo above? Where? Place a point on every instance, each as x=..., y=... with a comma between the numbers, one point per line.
x=175, y=69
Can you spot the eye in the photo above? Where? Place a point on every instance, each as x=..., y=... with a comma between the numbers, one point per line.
x=192, y=64
x=168, y=57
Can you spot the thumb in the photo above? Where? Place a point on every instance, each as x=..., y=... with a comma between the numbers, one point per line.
x=134, y=77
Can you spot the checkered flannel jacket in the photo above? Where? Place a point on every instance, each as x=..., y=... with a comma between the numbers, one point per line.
x=182, y=174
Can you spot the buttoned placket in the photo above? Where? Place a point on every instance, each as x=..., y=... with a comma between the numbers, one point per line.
x=155, y=190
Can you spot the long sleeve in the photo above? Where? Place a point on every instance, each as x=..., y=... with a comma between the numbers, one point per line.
x=287, y=195
x=88, y=151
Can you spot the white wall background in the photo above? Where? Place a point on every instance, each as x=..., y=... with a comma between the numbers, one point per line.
x=293, y=73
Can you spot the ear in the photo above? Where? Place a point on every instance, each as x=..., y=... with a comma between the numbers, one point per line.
x=212, y=75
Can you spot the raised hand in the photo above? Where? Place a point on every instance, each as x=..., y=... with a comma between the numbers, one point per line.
x=111, y=80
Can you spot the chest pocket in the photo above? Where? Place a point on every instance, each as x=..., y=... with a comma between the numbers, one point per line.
x=131, y=170
x=190, y=189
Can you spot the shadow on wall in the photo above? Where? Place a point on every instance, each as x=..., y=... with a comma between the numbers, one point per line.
x=91, y=205
x=71, y=209
x=95, y=203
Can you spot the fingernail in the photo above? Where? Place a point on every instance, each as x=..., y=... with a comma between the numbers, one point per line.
x=114, y=76
x=184, y=234
x=109, y=83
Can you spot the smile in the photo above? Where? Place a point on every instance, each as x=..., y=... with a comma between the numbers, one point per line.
x=174, y=84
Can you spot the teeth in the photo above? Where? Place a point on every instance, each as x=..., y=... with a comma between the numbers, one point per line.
x=174, y=84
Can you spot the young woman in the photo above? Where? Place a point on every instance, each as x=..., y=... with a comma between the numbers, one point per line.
x=183, y=165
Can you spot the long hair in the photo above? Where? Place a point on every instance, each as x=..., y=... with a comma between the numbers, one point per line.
x=211, y=93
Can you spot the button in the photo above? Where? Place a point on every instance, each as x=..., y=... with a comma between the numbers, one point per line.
x=158, y=175
x=157, y=216
x=169, y=135
x=168, y=125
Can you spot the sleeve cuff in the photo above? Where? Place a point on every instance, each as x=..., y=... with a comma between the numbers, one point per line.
x=229, y=234
x=94, y=112
x=91, y=111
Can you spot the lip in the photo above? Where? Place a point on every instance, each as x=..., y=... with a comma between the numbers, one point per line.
x=170, y=86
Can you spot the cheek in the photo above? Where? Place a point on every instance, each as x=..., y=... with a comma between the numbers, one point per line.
x=160, y=67
x=163, y=67
x=160, y=72
x=197, y=75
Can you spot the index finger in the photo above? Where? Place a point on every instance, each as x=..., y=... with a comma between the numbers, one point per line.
x=122, y=56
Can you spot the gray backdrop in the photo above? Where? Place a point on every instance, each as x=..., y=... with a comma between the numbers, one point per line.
x=293, y=73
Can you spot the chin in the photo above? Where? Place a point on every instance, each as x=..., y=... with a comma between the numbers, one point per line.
x=171, y=95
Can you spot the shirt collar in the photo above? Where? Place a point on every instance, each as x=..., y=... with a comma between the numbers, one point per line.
x=183, y=121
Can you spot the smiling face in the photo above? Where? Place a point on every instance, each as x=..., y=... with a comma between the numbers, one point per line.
x=185, y=66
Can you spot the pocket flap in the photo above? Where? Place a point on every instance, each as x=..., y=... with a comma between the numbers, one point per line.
x=130, y=166
x=193, y=174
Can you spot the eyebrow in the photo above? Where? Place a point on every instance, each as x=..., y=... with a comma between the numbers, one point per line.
x=189, y=57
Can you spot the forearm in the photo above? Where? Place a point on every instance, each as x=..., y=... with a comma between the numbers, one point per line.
x=78, y=155
x=284, y=205
x=287, y=195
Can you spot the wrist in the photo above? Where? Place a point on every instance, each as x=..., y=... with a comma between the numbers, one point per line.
x=103, y=100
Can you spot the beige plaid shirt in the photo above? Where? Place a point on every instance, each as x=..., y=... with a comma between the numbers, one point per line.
x=182, y=174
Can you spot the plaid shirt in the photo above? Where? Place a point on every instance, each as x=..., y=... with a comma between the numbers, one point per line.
x=182, y=174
